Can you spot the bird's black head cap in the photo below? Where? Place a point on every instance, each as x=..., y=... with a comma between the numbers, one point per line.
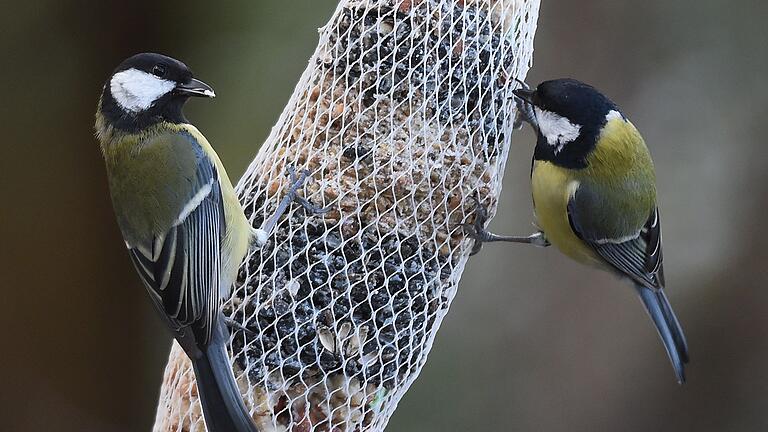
x=570, y=115
x=148, y=88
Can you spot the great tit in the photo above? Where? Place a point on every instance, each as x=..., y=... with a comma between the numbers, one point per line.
x=179, y=215
x=594, y=195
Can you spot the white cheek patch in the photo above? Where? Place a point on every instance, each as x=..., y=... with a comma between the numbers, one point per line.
x=135, y=90
x=557, y=129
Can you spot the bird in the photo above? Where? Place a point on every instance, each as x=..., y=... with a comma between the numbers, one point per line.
x=593, y=186
x=179, y=216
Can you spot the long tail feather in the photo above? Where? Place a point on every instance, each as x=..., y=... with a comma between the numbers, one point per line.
x=668, y=326
x=223, y=407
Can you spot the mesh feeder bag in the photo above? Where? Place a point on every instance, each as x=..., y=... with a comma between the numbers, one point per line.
x=403, y=114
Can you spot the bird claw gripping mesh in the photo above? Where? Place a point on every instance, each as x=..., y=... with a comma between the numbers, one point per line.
x=404, y=112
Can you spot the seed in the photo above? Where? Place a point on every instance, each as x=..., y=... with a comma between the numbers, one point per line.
x=326, y=339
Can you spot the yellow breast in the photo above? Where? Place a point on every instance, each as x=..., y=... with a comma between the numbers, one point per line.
x=552, y=187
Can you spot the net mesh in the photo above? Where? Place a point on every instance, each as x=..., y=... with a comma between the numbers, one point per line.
x=402, y=115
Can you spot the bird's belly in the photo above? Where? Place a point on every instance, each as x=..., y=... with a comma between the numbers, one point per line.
x=552, y=187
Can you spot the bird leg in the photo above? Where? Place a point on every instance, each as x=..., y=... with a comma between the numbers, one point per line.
x=297, y=182
x=477, y=231
x=232, y=324
x=303, y=202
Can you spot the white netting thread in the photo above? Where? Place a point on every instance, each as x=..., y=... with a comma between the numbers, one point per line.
x=403, y=113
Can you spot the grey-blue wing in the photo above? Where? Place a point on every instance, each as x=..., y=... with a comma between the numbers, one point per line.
x=638, y=257
x=182, y=269
x=634, y=259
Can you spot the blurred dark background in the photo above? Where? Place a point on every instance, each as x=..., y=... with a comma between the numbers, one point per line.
x=533, y=341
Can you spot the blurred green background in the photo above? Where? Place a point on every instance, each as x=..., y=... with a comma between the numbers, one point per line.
x=533, y=341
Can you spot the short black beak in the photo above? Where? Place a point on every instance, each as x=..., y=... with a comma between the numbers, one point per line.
x=524, y=94
x=195, y=88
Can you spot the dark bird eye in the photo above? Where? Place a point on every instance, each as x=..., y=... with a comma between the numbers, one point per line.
x=158, y=71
